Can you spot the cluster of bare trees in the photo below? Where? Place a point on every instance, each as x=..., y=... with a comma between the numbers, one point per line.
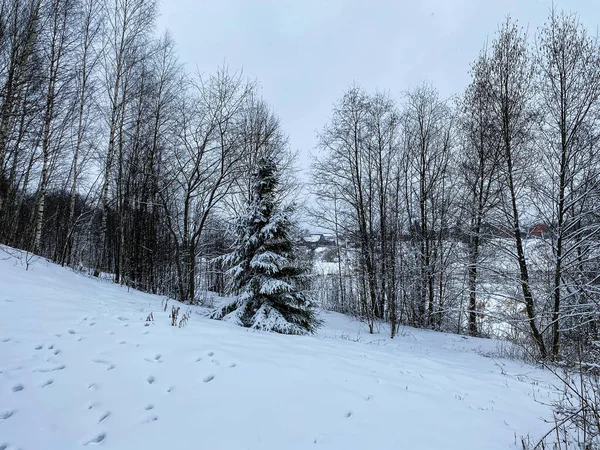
x=437, y=196
x=113, y=159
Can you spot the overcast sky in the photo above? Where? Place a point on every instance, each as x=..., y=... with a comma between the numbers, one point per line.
x=306, y=53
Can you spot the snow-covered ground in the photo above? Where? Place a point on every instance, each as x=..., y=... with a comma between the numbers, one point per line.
x=80, y=366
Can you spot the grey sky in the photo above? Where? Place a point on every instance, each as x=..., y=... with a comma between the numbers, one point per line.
x=305, y=53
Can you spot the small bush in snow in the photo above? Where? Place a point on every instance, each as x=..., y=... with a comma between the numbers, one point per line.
x=576, y=421
x=184, y=319
x=173, y=315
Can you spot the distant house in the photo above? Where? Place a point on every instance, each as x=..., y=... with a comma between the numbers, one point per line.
x=540, y=230
x=314, y=241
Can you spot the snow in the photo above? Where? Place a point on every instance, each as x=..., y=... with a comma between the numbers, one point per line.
x=324, y=268
x=79, y=366
x=269, y=261
x=312, y=238
x=268, y=318
x=273, y=286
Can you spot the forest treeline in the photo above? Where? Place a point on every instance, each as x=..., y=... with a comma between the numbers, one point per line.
x=464, y=178
x=114, y=159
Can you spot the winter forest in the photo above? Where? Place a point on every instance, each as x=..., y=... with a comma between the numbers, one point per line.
x=476, y=215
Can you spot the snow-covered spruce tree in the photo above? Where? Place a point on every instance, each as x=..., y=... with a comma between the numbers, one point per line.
x=266, y=276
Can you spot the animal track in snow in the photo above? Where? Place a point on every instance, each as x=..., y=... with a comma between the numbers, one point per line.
x=5, y=339
x=51, y=369
x=148, y=407
x=6, y=414
x=348, y=414
x=156, y=359
x=92, y=405
x=71, y=331
x=96, y=439
x=39, y=347
x=170, y=389
x=18, y=387
x=151, y=419
x=93, y=386
x=208, y=379
x=56, y=352
x=48, y=383
x=198, y=359
x=123, y=318
x=215, y=362
x=122, y=342
x=51, y=346
x=11, y=369
x=150, y=379
x=104, y=416
x=108, y=365
x=211, y=353
x=232, y=365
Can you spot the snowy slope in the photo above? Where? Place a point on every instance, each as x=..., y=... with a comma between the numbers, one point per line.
x=78, y=367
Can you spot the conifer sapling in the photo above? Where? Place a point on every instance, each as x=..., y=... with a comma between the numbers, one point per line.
x=266, y=276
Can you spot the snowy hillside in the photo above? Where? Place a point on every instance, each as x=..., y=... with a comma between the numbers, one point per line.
x=80, y=366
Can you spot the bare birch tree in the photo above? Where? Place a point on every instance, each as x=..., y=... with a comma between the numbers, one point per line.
x=568, y=84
